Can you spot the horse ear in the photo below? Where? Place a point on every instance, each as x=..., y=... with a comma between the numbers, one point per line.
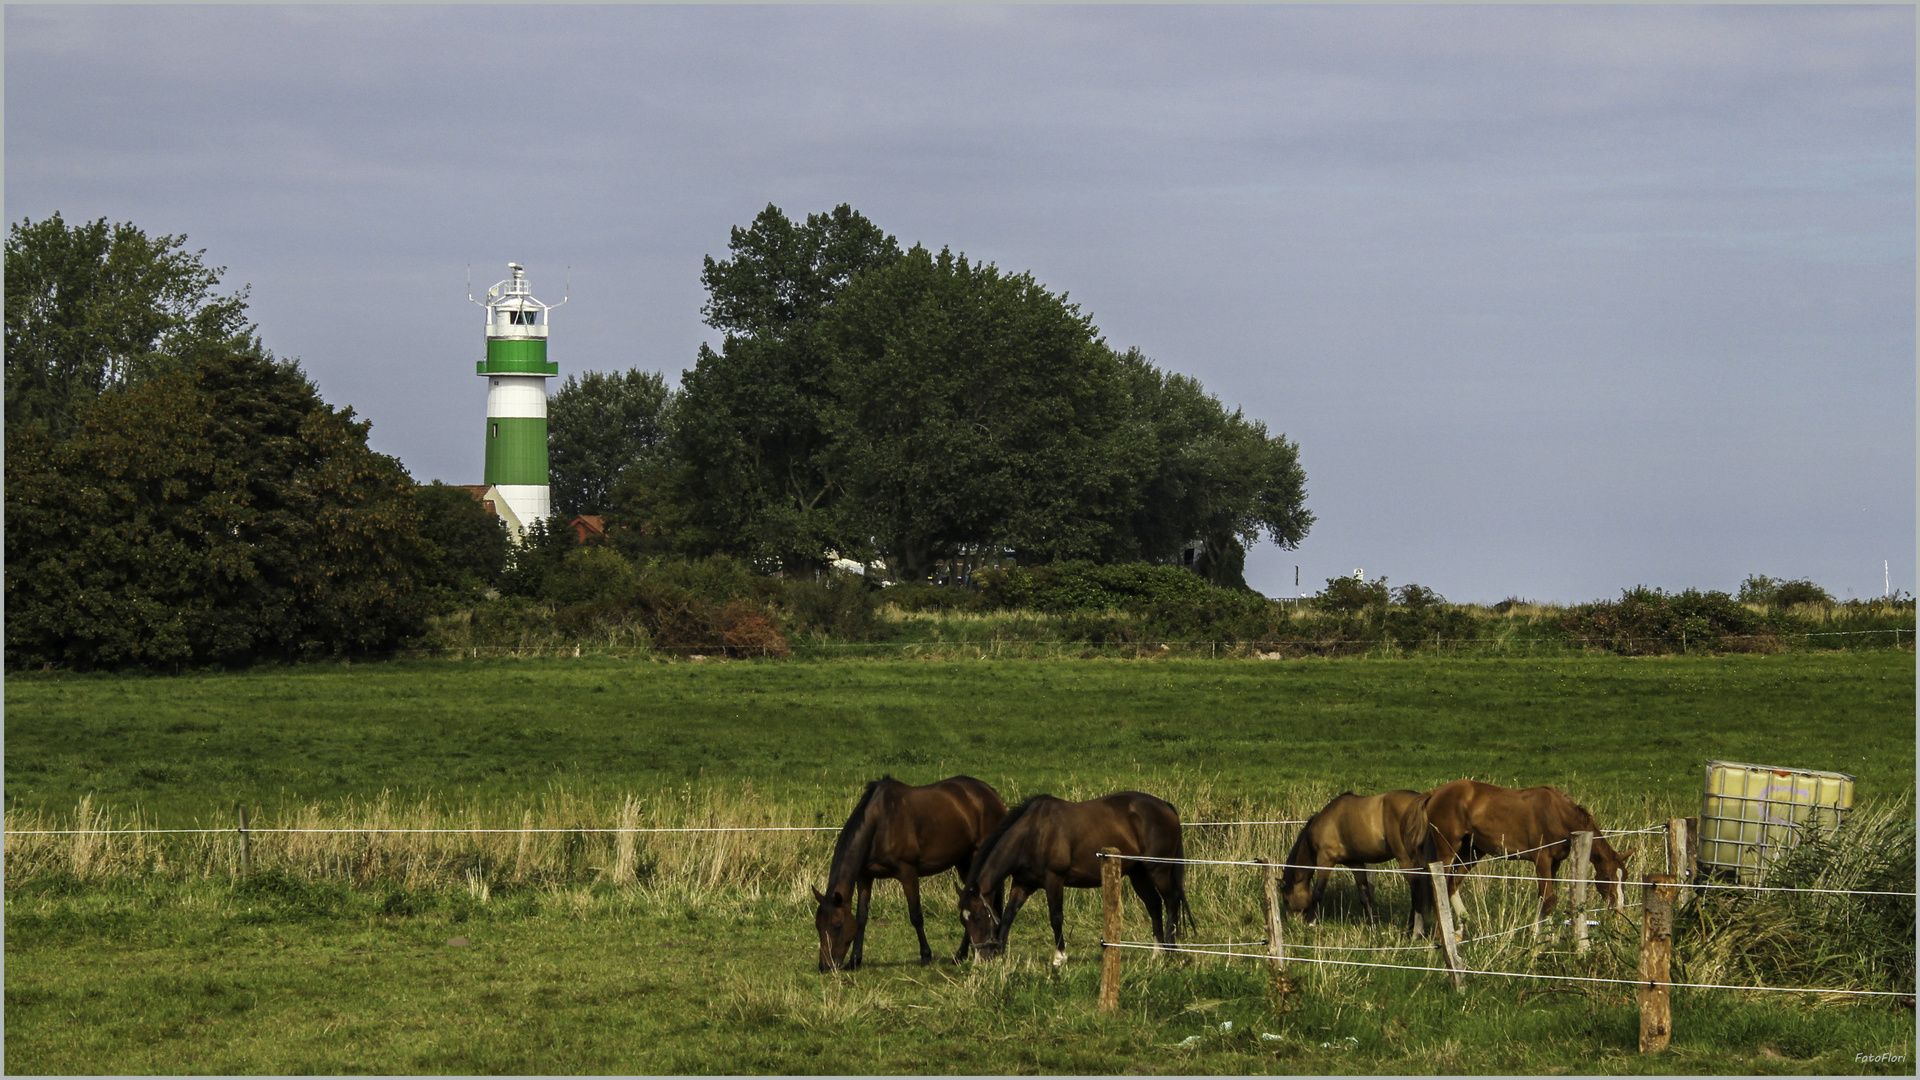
x=1629, y=853
x=838, y=900
x=961, y=890
x=818, y=898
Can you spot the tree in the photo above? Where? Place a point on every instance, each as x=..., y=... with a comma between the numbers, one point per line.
x=217, y=512
x=467, y=547
x=95, y=306
x=1215, y=476
x=598, y=426
x=750, y=443
x=972, y=407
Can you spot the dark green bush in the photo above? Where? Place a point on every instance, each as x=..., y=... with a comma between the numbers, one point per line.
x=1761, y=589
x=838, y=605
x=1648, y=621
x=926, y=596
x=1349, y=596
x=1079, y=585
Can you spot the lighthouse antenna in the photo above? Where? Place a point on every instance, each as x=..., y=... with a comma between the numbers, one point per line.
x=566, y=296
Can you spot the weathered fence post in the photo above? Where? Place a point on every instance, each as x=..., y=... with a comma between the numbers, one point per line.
x=1270, y=904
x=1582, y=870
x=1443, y=923
x=246, y=844
x=1110, y=931
x=1656, y=954
x=1677, y=863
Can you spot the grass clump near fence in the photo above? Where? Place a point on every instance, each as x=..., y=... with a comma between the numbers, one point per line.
x=1860, y=941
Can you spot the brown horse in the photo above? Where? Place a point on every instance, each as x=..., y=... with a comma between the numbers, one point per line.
x=1048, y=843
x=903, y=832
x=1460, y=823
x=1353, y=831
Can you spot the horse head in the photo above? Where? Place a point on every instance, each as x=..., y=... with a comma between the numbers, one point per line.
x=980, y=915
x=834, y=920
x=1610, y=867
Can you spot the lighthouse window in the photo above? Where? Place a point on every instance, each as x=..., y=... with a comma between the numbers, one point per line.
x=493, y=431
x=521, y=318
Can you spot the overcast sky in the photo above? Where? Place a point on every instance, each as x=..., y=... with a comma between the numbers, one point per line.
x=1555, y=300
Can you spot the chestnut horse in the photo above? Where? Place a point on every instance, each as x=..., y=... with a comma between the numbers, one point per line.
x=1353, y=831
x=903, y=832
x=1048, y=843
x=1460, y=823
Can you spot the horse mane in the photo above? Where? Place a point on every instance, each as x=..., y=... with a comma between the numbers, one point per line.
x=993, y=838
x=843, y=846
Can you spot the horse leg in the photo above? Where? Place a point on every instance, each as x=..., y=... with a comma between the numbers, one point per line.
x=910, y=884
x=1363, y=877
x=1321, y=875
x=864, y=893
x=1150, y=893
x=1057, y=913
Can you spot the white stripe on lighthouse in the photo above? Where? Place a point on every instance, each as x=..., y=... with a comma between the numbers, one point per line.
x=516, y=395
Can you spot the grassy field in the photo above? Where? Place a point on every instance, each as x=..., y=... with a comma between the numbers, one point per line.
x=687, y=954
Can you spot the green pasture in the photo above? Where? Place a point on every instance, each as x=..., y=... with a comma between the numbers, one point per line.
x=119, y=960
x=187, y=749
x=265, y=976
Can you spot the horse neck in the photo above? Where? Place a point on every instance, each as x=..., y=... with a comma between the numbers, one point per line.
x=851, y=856
x=996, y=864
x=1302, y=854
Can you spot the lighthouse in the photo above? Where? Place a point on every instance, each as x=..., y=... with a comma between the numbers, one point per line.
x=517, y=370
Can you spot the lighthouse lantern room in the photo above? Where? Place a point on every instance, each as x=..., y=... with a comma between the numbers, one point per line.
x=517, y=370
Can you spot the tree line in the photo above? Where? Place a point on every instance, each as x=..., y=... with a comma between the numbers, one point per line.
x=178, y=495
x=910, y=408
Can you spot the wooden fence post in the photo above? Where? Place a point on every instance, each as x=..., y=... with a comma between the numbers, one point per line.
x=1270, y=904
x=246, y=844
x=1582, y=870
x=1677, y=863
x=1443, y=923
x=1110, y=931
x=1656, y=954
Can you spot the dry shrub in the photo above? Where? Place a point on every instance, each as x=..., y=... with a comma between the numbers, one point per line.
x=748, y=632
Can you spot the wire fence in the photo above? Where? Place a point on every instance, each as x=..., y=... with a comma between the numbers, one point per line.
x=1483, y=876
x=1291, y=950
x=597, y=830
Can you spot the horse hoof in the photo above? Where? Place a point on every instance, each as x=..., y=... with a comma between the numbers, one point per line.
x=1059, y=959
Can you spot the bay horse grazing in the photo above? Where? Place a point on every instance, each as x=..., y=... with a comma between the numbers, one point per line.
x=1353, y=831
x=906, y=833
x=1462, y=822
x=1048, y=843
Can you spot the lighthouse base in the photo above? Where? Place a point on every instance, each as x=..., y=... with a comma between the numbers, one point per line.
x=520, y=505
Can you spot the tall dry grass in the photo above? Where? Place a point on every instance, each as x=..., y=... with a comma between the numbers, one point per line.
x=589, y=850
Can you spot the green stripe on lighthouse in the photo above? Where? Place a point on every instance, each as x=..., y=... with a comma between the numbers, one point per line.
x=516, y=356
x=517, y=450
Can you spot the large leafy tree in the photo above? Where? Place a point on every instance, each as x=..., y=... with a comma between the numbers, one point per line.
x=467, y=545
x=94, y=307
x=598, y=426
x=972, y=407
x=754, y=470
x=1214, y=476
x=214, y=513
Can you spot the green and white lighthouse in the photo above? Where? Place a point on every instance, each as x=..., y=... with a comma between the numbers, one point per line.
x=517, y=370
